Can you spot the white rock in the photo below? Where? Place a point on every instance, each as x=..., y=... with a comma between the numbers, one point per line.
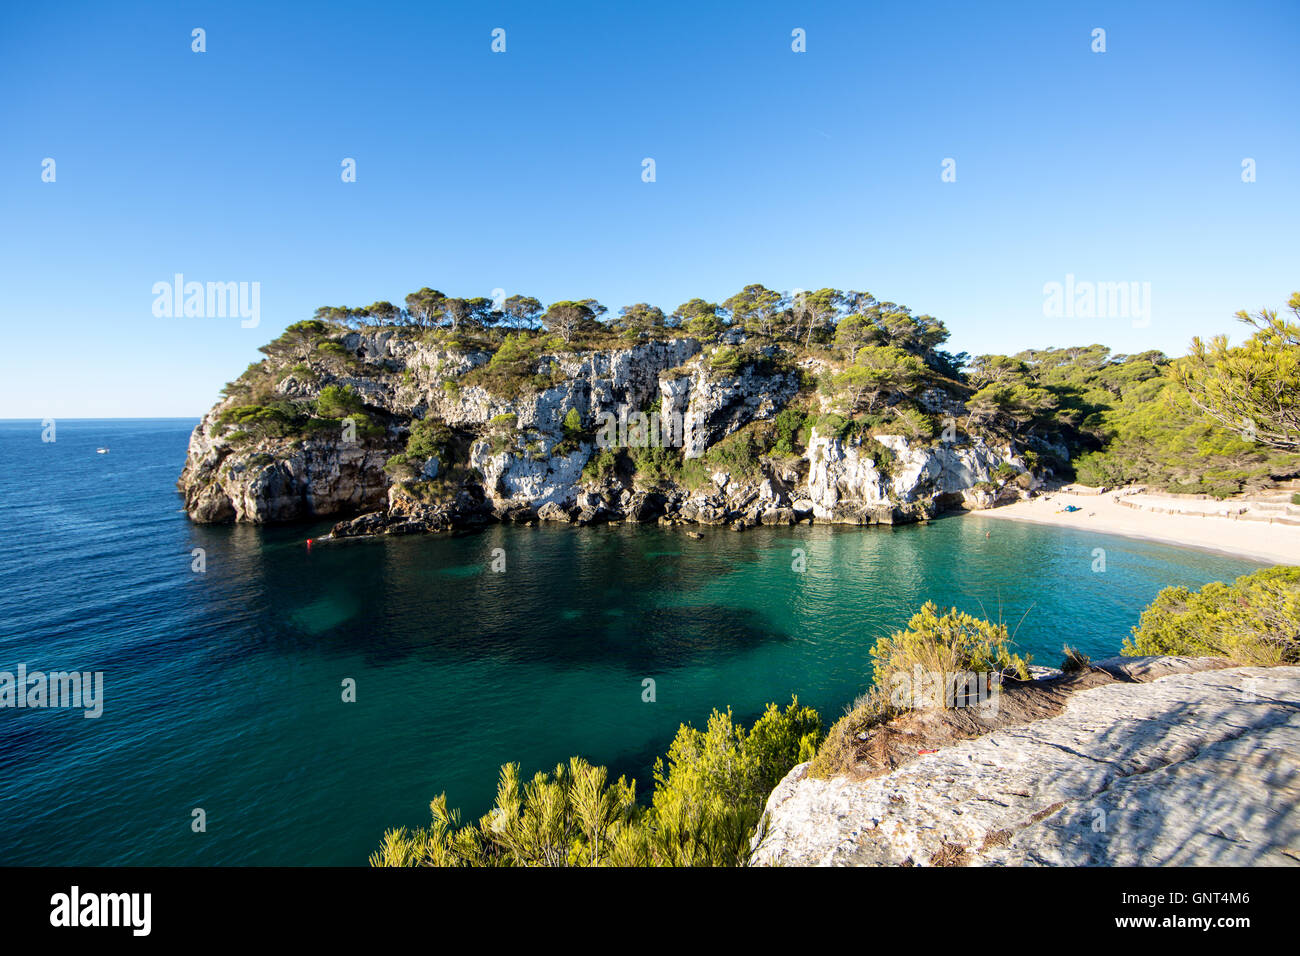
x=1189, y=769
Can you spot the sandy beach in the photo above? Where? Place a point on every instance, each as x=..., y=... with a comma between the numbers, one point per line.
x=1271, y=543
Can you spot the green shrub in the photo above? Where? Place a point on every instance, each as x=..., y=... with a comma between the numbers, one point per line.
x=708, y=798
x=335, y=352
x=827, y=425
x=788, y=424
x=951, y=643
x=884, y=457
x=1214, y=489
x=726, y=359
x=1253, y=620
x=736, y=454
x=600, y=466
x=365, y=426
x=515, y=350
x=303, y=373
x=429, y=438
x=337, y=401
x=1099, y=470
x=656, y=466
x=510, y=370
x=402, y=467
x=840, y=752
x=709, y=794
x=940, y=645
x=277, y=420
x=911, y=422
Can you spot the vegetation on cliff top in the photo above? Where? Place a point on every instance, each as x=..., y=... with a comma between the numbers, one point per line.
x=1254, y=388
x=1253, y=620
x=330, y=412
x=952, y=643
x=1218, y=421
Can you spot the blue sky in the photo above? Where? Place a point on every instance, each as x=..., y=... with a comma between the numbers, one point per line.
x=522, y=170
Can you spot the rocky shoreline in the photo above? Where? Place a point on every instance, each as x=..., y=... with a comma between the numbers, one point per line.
x=781, y=497
x=530, y=450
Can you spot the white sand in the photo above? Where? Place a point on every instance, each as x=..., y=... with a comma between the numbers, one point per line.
x=1270, y=543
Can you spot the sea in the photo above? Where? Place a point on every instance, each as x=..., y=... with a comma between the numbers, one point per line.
x=267, y=702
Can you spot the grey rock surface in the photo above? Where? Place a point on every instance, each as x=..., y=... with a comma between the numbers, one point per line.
x=1184, y=769
x=515, y=447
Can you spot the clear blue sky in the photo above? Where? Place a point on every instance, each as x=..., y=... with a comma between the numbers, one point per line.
x=523, y=170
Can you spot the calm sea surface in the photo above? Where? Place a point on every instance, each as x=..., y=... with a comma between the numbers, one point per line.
x=223, y=689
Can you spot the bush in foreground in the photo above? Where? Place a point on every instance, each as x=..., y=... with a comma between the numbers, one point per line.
x=840, y=752
x=949, y=644
x=707, y=801
x=1253, y=620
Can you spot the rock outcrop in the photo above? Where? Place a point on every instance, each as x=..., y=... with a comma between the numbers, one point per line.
x=271, y=482
x=712, y=407
x=533, y=439
x=1163, y=764
x=229, y=476
x=849, y=483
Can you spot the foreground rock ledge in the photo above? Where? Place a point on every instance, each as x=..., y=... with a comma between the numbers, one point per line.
x=1190, y=769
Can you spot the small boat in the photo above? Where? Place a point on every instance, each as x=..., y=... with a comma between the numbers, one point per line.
x=101, y=451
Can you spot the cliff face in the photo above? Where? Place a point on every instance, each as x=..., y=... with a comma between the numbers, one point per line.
x=511, y=453
x=228, y=476
x=1169, y=765
x=846, y=485
x=280, y=479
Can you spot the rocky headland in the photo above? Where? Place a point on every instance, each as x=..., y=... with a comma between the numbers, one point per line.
x=399, y=430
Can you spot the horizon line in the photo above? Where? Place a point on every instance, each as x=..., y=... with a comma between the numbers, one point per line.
x=107, y=418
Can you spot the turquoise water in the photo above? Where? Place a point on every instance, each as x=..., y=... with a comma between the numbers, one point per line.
x=223, y=689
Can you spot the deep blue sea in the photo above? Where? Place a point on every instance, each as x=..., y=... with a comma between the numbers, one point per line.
x=223, y=689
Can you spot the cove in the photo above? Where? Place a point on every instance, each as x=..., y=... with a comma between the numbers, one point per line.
x=226, y=685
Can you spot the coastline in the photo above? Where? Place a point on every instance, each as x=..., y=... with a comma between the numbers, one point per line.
x=1257, y=541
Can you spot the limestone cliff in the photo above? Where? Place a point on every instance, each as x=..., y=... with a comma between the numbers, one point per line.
x=1167, y=763
x=326, y=424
